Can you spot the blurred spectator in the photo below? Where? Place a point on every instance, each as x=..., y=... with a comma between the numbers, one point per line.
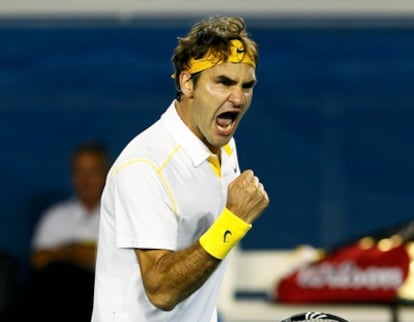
x=64, y=244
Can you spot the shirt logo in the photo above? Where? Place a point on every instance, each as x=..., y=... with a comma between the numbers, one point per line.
x=226, y=233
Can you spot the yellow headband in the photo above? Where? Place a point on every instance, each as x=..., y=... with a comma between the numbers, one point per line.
x=238, y=55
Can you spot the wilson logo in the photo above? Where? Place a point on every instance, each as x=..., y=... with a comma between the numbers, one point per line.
x=348, y=275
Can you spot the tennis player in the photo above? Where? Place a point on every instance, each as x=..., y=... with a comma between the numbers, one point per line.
x=175, y=202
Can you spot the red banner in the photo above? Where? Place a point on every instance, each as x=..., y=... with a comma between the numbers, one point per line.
x=354, y=273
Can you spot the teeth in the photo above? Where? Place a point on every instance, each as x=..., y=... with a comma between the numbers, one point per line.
x=224, y=128
x=224, y=122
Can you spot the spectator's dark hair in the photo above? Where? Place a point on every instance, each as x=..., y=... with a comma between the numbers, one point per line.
x=91, y=147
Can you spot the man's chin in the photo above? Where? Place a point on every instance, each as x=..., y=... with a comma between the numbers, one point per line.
x=222, y=141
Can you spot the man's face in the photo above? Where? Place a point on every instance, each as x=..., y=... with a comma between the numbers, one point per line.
x=221, y=97
x=88, y=176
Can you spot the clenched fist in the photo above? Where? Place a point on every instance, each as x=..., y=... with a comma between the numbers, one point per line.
x=247, y=197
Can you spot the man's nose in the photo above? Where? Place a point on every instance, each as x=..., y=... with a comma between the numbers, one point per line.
x=237, y=96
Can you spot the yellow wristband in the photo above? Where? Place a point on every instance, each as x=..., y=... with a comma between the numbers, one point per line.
x=225, y=232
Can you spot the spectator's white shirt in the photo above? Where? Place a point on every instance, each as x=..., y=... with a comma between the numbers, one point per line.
x=66, y=222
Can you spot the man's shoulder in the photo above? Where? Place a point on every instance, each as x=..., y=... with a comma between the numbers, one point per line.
x=155, y=144
x=62, y=207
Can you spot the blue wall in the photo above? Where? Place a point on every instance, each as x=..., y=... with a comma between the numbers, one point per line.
x=329, y=133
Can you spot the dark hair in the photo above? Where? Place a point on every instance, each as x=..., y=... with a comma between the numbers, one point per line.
x=211, y=34
x=91, y=147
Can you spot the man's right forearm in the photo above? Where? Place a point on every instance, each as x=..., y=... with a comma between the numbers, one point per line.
x=169, y=277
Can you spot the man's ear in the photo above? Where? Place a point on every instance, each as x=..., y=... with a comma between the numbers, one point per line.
x=186, y=84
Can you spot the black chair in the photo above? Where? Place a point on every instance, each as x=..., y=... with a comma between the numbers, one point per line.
x=8, y=283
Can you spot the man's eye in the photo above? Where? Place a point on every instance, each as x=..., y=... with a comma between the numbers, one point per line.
x=249, y=85
x=225, y=82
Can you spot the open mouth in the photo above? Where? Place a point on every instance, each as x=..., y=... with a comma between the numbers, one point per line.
x=225, y=121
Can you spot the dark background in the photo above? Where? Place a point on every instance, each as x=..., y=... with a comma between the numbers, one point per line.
x=329, y=132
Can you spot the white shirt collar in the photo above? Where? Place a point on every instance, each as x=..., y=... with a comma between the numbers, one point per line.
x=191, y=144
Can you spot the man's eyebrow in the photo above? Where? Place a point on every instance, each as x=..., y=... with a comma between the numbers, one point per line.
x=224, y=78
